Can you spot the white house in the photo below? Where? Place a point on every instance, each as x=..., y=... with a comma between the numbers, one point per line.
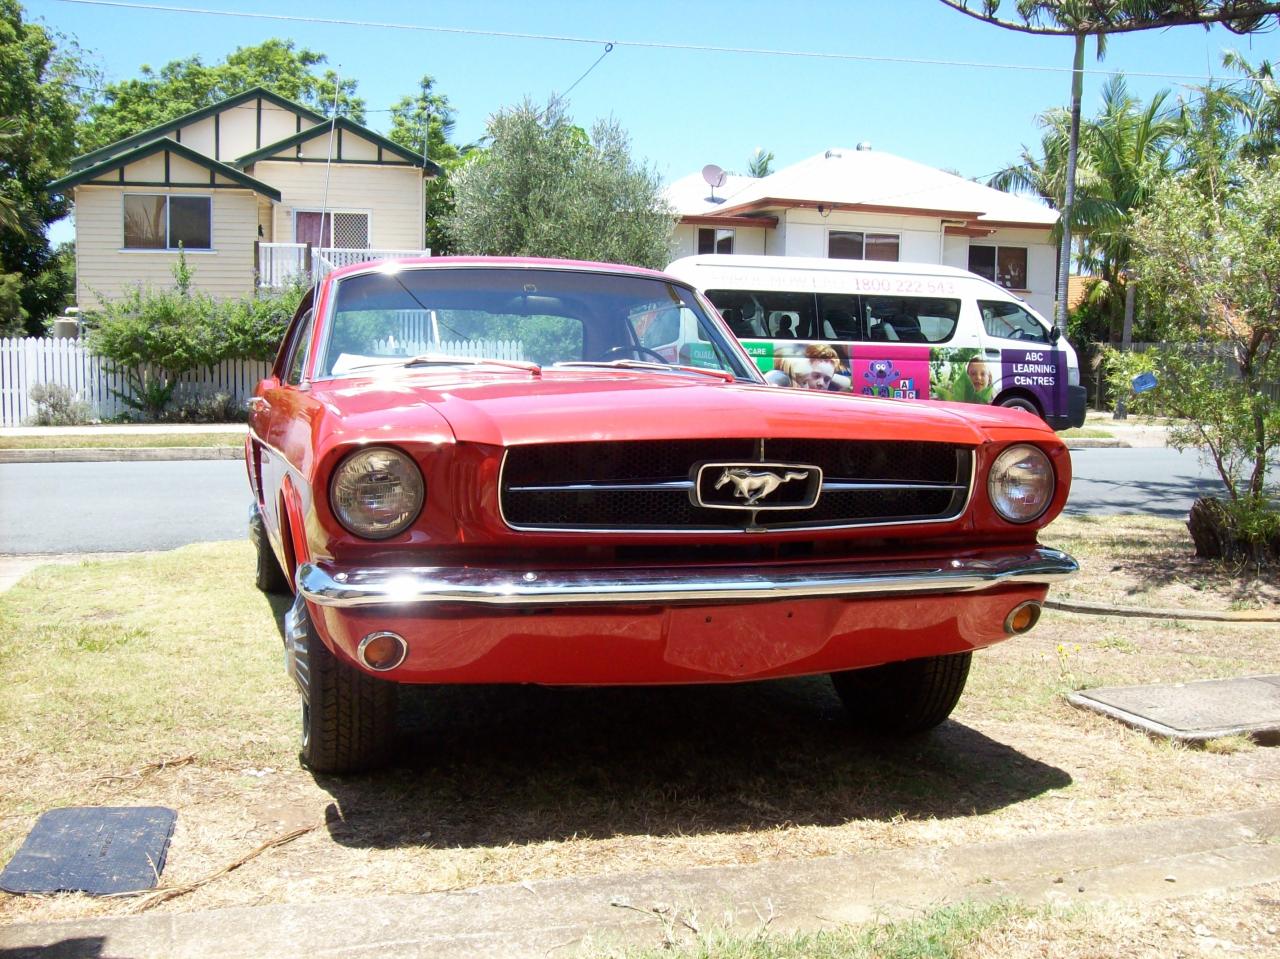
x=250, y=189
x=866, y=204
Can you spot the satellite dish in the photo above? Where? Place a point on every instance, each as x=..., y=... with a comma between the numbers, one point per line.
x=714, y=175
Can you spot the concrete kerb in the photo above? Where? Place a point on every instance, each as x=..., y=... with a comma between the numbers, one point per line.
x=1143, y=862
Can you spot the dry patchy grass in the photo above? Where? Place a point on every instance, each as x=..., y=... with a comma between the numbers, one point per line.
x=113, y=667
x=1150, y=562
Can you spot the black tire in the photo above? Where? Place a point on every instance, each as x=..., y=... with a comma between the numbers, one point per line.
x=903, y=698
x=268, y=575
x=1021, y=403
x=348, y=716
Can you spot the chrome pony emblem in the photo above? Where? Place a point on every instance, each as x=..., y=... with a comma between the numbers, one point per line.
x=752, y=486
x=755, y=486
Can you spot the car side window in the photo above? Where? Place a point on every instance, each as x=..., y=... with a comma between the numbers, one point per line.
x=299, y=349
x=1009, y=321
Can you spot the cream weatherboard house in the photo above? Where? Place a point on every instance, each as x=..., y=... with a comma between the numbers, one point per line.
x=253, y=189
x=866, y=204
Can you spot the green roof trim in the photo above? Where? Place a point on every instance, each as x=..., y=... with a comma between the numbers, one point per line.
x=349, y=126
x=195, y=116
x=155, y=146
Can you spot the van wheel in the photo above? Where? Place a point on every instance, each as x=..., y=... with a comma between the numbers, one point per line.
x=898, y=699
x=1021, y=403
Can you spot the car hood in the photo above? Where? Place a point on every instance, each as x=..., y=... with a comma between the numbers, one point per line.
x=517, y=407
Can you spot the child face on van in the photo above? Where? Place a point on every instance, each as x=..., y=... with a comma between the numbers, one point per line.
x=819, y=375
x=979, y=375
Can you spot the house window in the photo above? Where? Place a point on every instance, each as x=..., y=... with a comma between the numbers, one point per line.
x=1006, y=265
x=161, y=222
x=857, y=245
x=344, y=229
x=715, y=241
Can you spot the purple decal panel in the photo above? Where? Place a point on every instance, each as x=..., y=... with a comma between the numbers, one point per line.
x=897, y=372
x=1043, y=373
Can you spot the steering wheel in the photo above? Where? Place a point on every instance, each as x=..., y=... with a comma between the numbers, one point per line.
x=635, y=352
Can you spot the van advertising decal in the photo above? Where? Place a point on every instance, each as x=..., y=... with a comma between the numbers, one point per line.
x=1041, y=372
x=958, y=374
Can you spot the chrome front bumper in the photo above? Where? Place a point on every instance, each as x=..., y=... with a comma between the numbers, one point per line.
x=329, y=585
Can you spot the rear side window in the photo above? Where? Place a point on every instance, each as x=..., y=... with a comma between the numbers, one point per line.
x=910, y=319
x=768, y=314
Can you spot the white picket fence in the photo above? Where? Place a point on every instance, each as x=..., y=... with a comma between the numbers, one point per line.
x=27, y=362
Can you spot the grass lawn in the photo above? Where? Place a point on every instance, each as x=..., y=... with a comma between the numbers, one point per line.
x=1085, y=433
x=158, y=680
x=77, y=441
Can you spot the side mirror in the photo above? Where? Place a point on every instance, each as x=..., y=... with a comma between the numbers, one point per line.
x=1055, y=334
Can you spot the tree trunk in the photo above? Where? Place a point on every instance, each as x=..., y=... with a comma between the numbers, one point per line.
x=1207, y=524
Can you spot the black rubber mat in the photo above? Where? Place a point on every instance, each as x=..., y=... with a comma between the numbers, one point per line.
x=95, y=849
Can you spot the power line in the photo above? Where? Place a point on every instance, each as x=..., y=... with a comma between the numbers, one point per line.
x=640, y=44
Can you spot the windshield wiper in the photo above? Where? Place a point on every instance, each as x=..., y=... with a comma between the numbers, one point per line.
x=442, y=359
x=645, y=365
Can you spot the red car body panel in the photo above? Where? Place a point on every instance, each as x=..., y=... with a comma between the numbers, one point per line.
x=457, y=425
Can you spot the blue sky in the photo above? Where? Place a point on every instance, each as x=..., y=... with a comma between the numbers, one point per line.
x=687, y=108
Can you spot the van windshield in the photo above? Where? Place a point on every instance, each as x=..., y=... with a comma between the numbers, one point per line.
x=855, y=317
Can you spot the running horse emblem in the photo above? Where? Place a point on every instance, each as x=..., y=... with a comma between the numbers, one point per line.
x=751, y=487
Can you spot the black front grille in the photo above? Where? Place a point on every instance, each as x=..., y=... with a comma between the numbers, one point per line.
x=536, y=481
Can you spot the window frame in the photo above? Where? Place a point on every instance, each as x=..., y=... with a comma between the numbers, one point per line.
x=864, y=233
x=168, y=232
x=718, y=234
x=330, y=213
x=995, y=264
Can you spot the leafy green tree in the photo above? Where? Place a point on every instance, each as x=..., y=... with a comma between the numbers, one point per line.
x=1212, y=274
x=424, y=122
x=1081, y=19
x=180, y=86
x=1257, y=105
x=40, y=103
x=546, y=188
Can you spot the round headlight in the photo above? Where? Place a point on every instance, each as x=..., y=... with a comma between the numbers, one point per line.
x=1021, y=483
x=377, y=492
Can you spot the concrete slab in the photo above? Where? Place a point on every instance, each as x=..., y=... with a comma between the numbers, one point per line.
x=1193, y=712
x=1144, y=862
x=131, y=454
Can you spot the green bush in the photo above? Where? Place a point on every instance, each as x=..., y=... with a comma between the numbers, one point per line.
x=152, y=337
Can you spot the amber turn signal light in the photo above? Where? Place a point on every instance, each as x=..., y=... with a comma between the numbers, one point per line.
x=382, y=651
x=1022, y=617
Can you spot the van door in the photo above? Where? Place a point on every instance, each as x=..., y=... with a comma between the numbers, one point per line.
x=1032, y=370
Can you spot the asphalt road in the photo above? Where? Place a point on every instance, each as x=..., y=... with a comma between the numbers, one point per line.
x=108, y=507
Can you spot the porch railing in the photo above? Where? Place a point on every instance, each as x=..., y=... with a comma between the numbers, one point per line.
x=279, y=264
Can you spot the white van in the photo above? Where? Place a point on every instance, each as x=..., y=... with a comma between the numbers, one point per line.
x=898, y=330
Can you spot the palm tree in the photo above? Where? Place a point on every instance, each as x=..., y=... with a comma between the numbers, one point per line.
x=1124, y=151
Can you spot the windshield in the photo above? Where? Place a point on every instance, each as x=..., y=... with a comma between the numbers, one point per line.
x=542, y=316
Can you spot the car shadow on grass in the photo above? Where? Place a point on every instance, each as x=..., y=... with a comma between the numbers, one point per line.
x=491, y=765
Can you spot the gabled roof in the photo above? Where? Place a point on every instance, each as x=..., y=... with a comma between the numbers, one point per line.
x=269, y=151
x=156, y=146
x=869, y=180
x=195, y=116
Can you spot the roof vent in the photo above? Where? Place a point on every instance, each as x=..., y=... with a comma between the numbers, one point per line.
x=865, y=145
x=833, y=153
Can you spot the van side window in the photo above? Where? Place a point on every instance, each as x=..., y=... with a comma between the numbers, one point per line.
x=910, y=319
x=768, y=314
x=1009, y=321
x=840, y=316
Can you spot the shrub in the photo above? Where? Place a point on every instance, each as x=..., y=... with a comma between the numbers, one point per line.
x=205, y=408
x=252, y=328
x=1210, y=271
x=57, y=405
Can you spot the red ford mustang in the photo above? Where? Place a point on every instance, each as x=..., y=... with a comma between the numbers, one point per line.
x=503, y=471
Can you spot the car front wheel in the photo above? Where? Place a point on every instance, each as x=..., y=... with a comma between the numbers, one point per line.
x=268, y=576
x=348, y=716
x=904, y=698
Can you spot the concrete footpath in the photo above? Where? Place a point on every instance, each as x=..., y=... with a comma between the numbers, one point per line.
x=1130, y=864
x=1124, y=433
